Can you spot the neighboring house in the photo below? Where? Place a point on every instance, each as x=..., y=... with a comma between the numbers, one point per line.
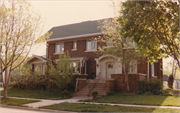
x=78, y=40
x=165, y=83
x=37, y=63
x=176, y=83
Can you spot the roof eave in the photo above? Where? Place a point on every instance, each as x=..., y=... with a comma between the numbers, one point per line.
x=74, y=37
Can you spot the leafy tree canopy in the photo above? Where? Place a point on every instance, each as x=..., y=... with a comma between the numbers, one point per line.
x=153, y=25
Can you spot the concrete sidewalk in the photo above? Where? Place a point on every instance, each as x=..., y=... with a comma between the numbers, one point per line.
x=76, y=99
x=50, y=102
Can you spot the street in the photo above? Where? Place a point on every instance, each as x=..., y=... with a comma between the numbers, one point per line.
x=13, y=110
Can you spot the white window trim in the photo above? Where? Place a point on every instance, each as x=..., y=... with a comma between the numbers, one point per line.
x=74, y=49
x=91, y=50
x=59, y=49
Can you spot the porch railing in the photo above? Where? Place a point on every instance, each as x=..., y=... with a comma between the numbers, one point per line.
x=94, y=82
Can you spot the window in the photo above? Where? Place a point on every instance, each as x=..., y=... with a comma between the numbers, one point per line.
x=59, y=48
x=129, y=43
x=133, y=66
x=110, y=65
x=109, y=43
x=74, y=45
x=91, y=45
x=76, y=66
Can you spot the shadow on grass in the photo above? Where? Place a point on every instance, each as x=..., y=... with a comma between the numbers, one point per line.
x=158, y=100
x=104, y=108
x=16, y=102
x=26, y=93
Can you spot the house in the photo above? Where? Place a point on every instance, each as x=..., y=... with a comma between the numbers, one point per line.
x=37, y=63
x=176, y=83
x=77, y=38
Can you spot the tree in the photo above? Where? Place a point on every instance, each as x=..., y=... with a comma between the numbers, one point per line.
x=61, y=71
x=117, y=46
x=19, y=29
x=154, y=26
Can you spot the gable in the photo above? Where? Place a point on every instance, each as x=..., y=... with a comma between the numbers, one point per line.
x=35, y=59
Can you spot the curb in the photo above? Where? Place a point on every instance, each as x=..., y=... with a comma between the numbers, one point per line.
x=131, y=105
x=34, y=109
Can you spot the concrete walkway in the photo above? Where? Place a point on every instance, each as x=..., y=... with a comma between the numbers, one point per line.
x=50, y=102
x=76, y=99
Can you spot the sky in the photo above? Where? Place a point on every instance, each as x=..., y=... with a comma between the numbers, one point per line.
x=63, y=12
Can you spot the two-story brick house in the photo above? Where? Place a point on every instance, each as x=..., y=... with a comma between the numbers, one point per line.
x=78, y=40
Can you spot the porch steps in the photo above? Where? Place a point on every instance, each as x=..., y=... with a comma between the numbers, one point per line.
x=99, y=81
x=100, y=87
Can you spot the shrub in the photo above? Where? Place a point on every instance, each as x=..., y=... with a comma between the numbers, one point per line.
x=66, y=94
x=148, y=93
x=170, y=81
x=71, y=87
x=153, y=87
x=94, y=93
x=111, y=93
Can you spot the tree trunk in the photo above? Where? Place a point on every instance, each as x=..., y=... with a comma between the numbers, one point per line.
x=126, y=81
x=126, y=78
x=5, y=91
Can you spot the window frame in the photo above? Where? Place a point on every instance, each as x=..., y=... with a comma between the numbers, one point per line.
x=93, y=45
x=74, y=45
x=61, y=51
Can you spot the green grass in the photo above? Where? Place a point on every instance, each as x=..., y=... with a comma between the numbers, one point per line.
x=173, y=91
x=104, y=108
x=16, y=102
x=25, y=93
x=139, y=99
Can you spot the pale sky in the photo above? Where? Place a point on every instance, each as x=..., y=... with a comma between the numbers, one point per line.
x=63, y=12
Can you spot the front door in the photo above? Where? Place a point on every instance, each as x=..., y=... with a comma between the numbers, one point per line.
x=110, y=70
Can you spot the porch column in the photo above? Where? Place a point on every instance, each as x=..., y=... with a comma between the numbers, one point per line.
x=81, y=67
x=85, y=67
x=97, y=66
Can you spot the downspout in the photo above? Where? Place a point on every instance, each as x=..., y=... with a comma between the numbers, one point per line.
x=148, y=70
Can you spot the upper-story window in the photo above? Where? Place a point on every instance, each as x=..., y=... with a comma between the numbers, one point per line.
x=109, y=43
x=130, y=43
x=59, y=48
x=74, y=45
x=91, y=45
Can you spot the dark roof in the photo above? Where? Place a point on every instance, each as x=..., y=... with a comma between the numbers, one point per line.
x=82, y=28
x=165, y=77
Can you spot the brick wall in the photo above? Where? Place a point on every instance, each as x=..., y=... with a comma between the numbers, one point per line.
x=80, y=84
x=80, y=52
x=133, y=82
x=110, y=85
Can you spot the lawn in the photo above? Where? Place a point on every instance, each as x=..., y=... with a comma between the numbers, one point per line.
x=25, y=93
x=104, y=108
x=16, y=102
x=139, y=99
